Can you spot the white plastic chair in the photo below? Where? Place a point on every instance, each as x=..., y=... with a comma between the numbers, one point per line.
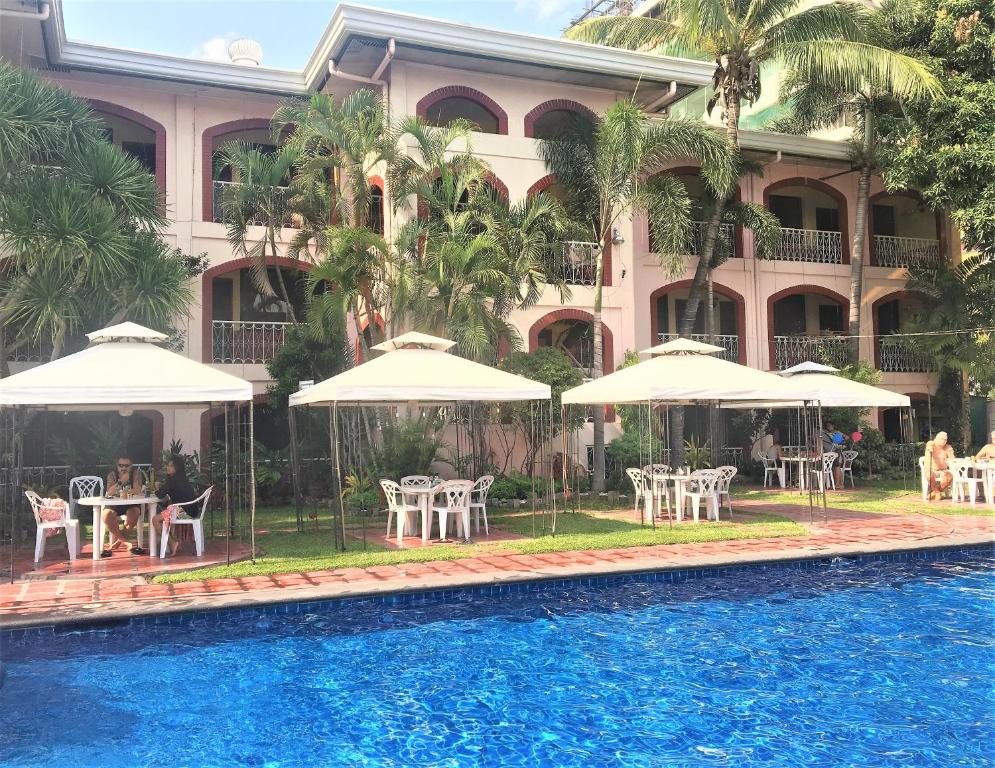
x=197, y=523
x=965, y=484
x=726, y=474
x=703, y=486
x=457, y=494
x=416, y=481
x=397, y=506
x=80, y=488
x=824, y=471
x=846, y=468
x=650, y=483
x=478, y=501
x=771, y=466
x=638, y=486
x=70, y=526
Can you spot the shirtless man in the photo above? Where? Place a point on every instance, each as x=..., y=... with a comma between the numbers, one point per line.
x=938, y=456
x=128, y=478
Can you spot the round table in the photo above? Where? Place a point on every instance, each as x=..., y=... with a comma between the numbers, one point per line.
x=147, y=505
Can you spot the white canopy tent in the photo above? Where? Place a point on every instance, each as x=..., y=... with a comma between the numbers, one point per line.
x=416, y=370
x=682, y=372
x=122, y=367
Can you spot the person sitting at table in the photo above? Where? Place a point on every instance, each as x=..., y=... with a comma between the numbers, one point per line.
x=125, y=478
x=937, y=465
x=176, y=489
x=776, y=454
x=987, y=452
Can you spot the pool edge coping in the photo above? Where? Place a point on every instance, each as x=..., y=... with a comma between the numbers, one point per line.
x=227, y=601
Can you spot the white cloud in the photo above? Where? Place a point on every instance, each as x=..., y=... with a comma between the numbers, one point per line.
x=543, y=10
x=215, y=48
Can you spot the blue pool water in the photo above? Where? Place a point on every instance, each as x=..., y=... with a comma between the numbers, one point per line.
x=853, y=663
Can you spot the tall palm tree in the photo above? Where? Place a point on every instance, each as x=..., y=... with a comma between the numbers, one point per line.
x=263, y=196
x=821, y=102
x=78, y=219
x=825, y=40
x=602, y=168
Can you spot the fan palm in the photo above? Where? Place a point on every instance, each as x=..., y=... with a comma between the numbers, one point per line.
x=827, y=41
x=820, y=102
x=78, y=219
x=602, y=168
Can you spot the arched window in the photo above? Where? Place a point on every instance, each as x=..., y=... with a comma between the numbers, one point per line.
x=556, y=123
x=445, y=111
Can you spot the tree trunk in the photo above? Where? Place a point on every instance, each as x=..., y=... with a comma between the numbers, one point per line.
x=598, y=425
x=4, y=367
x=857, y=262
x=279, y=277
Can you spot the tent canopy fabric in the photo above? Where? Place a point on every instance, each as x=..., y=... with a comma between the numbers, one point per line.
x=681, y=378
x=831, y=391
x=120, y=373
x=682, y=346
x=125, y=332
x=414, y=340
x=809, y=367
x=421, y=376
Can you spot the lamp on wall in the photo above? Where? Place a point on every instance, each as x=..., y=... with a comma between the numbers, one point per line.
x=617, y=238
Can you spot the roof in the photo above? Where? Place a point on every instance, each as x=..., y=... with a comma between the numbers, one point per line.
x=113, y=373
x=421, y=376
x=356, y=36
x=814, y=382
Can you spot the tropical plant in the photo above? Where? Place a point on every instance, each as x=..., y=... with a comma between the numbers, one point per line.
x=407, y=447
x=824, y=41
x=698, y=455
x=817, y=102
x=78, y=219
x=602, y=168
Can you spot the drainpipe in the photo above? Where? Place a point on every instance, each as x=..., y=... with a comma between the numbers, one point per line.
x=41, y=14
x=663, y=101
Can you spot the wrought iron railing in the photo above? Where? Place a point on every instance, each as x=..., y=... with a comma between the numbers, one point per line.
x=728, y=341
x=218, y=190
x=814, y=245
x=900, y=355
x=725, y=246
x=576, y=263
x=235, y=341
x=792, y=350
x=33, y=352
x=905, y=251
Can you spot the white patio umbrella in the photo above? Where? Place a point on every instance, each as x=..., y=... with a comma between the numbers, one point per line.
x=124, y=366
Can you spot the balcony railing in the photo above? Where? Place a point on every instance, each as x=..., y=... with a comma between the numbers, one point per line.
x=240, y=342
x=812, y=245
x=576, y=263
x=900, y=355
x=218, y=195
x=725, y=247
x=792, y=350
x=905, y=251
x=728, y=341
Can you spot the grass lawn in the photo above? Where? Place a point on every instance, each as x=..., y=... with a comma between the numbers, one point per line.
x=885, y=496
x=287, y=551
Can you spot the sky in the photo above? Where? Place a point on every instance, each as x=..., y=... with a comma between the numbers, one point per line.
x=287, y=29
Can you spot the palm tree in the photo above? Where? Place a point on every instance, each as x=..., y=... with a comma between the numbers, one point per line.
x=602, y=168
x=78, y=219
x=817, y=102
x=825, y=40
x=264, y=197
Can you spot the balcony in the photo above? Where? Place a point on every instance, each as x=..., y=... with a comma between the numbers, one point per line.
x=900, y=355
x=729, y=342
x=905, y=251
x=812, y=245
x=220, y=188
x=792, y=350
x=577, y=263
x=240, y=342
x=725, y=247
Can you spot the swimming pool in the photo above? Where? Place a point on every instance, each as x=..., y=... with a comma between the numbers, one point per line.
x=854, y=662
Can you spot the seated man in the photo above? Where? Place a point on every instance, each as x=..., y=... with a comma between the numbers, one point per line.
x=987, y=452
x=937, y=465
x=125, y=477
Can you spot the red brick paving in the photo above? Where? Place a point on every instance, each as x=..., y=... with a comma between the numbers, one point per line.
x=846, y=532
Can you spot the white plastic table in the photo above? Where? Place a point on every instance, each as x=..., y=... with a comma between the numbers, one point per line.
x=146, y=504
x=987, y=471
x=801, y=461
x=658, y=486
x=425, y=494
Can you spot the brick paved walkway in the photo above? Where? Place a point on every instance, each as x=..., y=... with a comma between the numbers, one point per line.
x=846, y=533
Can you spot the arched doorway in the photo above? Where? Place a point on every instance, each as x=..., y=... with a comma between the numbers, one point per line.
x=552, y=119
x=667, y=305
x=813, y=219
x=903, y=231
x=570, y=331
x=458, y=102
x=729, y=242
x=137, y=135
x=892, y=316
x=807, y=322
